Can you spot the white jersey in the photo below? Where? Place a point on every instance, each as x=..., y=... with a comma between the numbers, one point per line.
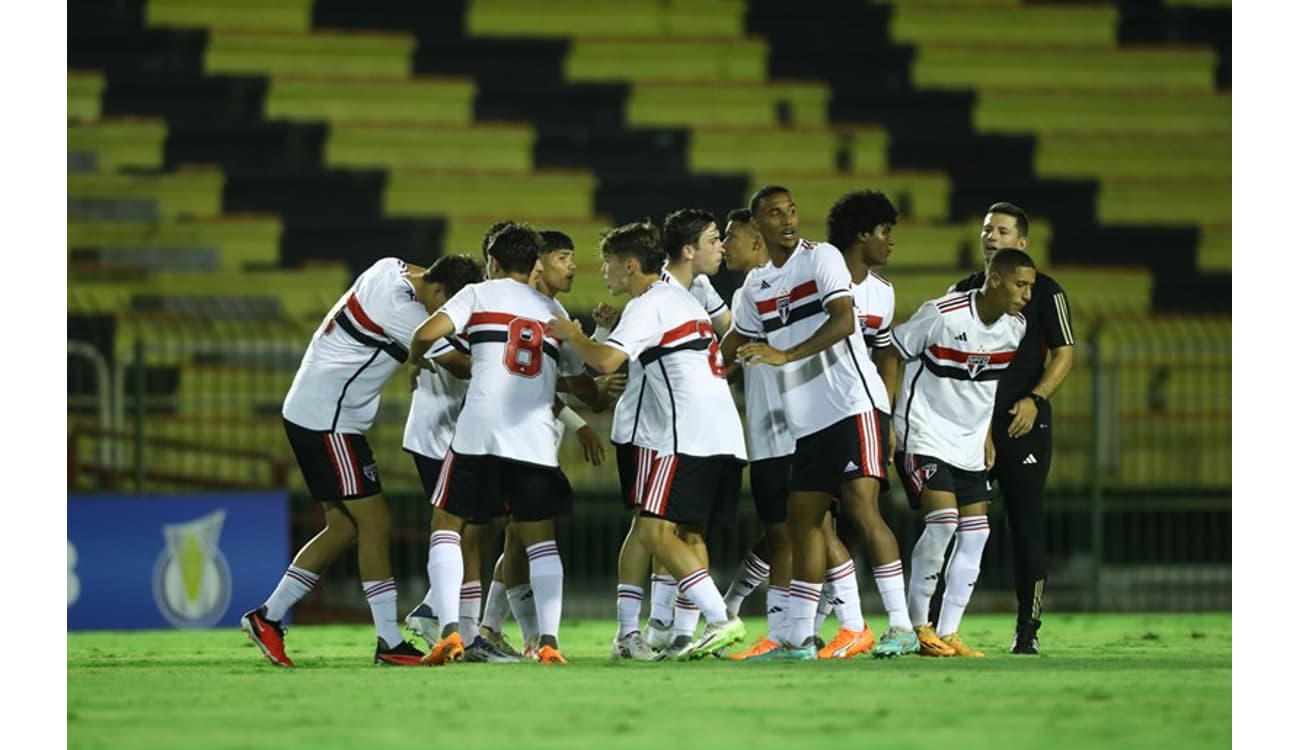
x=874, y=301
x=765, y=423
x=435, y=405
x=626, y=411
x=357, y=348
x=684, y=382
x=514, y=366
x=786, y=306
x=945, y=401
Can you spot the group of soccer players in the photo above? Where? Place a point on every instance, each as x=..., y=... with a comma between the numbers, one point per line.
x=833, y=392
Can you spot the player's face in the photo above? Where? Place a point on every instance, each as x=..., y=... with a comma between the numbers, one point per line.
x=740, y=249
x=615, y=271
x=879, y=244
x=778, y=221
x=1016, y=289
x=708, y=251
x=999, y=232
x=558, y=269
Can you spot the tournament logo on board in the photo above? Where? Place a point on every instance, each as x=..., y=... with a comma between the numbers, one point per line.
x=191, y=580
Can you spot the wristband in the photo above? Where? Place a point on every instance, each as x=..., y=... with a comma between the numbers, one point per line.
x=571, y=419
x=1038, y=400
x=602, y=334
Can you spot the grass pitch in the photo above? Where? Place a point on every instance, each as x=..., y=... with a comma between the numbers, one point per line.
x=1112, y=681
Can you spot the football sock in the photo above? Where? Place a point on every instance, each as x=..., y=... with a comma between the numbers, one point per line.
x=629, y=608
x=700, y=589
x=523, y=605
x=927, y=562
x=778, y=613
x=293, y=586
x=753, y=572
x=446, y=572
x=685, y=617
x=889, y=582
x=824, y=609
x=663, y=592
x=382, y=596
x=842, y=580
x=546, y=573
x=471, y=597
x=496, y=607
x=963, y=570
x=803, y=608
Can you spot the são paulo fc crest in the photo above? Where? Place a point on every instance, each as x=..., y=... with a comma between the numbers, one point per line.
x=783, y=307
x=975, y=364
x=191, y=580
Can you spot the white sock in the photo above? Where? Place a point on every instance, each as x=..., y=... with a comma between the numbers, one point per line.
x=382, y=597
x=471, y=597
x=824, y=609
x=546, y=573
x=700, y=589
x=663, y=592
x=927, y=562
x=889, y=582
x=446, y=572
x=523, y=605
x=294, y=585
x=496, y=607
x=753, y=572
x=778, y=613
x=803, y=608
x=842, y=580
x=685, y=617
x=963, y=570
x=629, y=608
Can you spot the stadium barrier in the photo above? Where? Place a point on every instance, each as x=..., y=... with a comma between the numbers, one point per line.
x=1138, y=506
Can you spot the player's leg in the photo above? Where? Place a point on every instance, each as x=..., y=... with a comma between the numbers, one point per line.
x=1022, y=480
x=537, y=496
x=808, y=567
x=930, y=489
x=457, y=499
x=686, y=616
x=633, y=558
x=961, y=572
x=374, y=533
x=840, y=595
x=421, y=619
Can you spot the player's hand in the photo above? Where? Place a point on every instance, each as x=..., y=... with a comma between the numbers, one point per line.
x=609, y=388
x=591, y=445
x=1024, y=412
x=564, y=330
x=758, y=353
x=606, y=316
x=990, y=453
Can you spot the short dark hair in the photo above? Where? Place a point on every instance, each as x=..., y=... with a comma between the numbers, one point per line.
x=1006, y=260
x=454, y=272
x=1014, y=211
x=639, y=240
x=740, y=216
x=762, y=193
x=491, y=232
x=554, y=239
x=683, y=227
x=857, y=212
x=516, y=247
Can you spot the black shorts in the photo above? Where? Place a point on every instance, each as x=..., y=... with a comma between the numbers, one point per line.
x=1023, y=462
x=480, y=488
x=634, y=463
x=853, y=447
x=336, y=465
x=769, y=482
x=428, y=469
x=922, y=472
x=693, y=490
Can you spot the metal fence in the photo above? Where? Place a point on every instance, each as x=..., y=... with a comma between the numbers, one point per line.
x=1139, y=499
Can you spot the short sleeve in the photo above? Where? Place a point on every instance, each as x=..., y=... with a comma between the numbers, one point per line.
x=831, y=273
x=638, y=329
x=911, y=338
x=745, y=319
x=703, y=291
x=460, y=307
x=1058, y=328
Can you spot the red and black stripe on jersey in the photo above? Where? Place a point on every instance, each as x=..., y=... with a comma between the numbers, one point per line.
x=693, y=335
x=494, y=327
x=784, y=309
x=355, y=323
x=962, y=365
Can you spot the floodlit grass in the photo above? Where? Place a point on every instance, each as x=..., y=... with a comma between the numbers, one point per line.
x=1112, y=681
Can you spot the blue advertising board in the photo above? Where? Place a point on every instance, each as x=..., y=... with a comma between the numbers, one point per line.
x=173, y=561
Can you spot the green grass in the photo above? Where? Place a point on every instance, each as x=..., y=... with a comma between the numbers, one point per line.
x=1114, y=681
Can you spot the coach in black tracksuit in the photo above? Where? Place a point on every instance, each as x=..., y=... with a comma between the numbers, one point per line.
x=1022, y=418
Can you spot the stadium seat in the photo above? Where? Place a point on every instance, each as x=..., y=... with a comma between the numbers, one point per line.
x=271, y=15
x=918, y=195
x=433, y=193
x=483, y=146
x=85, y=88
x=677, y=18
x=662, y=60
x=336, y=53
x=447, y=101
x=192, y=191
x=120, y=142
x=732, y=104
x=804, y=148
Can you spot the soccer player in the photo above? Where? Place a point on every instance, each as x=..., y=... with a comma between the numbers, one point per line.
x=689, y=421
x=503, y=452
x=331, y=403
x=797, y=314
x=956, y=347
x=1022, y=418
x=694, y=253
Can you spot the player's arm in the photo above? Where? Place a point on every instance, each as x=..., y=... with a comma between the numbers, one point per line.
x=605, y=359
x=886, y=360
x=841, y=323
x=434, y=328
x=722, y=321
x=1059, y=333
